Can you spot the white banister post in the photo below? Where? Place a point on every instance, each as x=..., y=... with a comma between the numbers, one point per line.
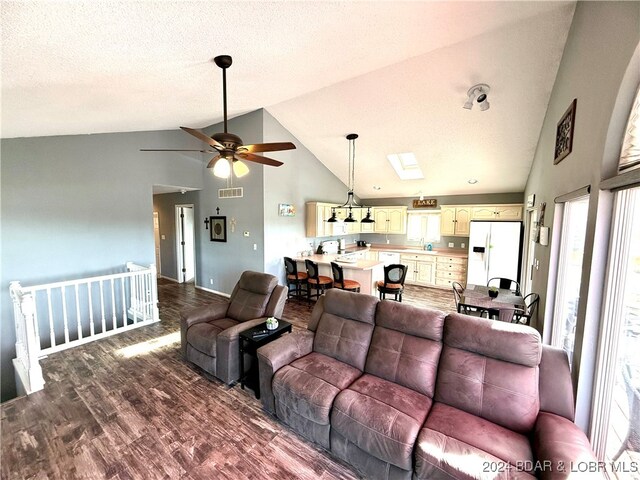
x=27, y=347
x=154, y=291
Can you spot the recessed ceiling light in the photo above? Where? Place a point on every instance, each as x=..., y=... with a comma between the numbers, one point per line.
x=377, y=187
x=405, y=165
x=472, y=181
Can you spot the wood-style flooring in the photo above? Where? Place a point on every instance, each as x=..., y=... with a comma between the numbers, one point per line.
x=129, y=407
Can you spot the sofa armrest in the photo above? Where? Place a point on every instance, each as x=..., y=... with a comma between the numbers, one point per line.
x=228, y=350
x=560, y=447
x=556, y=388
x=206, y=313
x=275, y=355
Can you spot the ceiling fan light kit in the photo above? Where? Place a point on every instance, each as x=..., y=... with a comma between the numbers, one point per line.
x=231, y=154
x=478, y=93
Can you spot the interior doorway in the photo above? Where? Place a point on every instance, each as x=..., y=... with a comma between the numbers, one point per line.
x=185, y=243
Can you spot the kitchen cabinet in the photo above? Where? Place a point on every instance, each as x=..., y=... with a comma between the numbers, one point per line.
x=390, y=220
x=317, y=214
x=454, y=220
x=497, y=212
x=350, y=227
x=450, y=269
x=420, y=269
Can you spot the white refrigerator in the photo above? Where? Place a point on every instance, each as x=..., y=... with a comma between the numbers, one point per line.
x=495, y=250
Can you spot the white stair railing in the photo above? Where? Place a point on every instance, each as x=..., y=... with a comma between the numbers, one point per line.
x=75, y=312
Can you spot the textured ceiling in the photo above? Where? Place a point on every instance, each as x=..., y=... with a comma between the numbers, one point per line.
x=396, y=73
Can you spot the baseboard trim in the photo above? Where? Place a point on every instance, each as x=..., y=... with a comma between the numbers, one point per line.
x=169, y=278
x=213, y=291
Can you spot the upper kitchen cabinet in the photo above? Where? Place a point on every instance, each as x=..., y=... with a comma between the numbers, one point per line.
x=454, y=220
x=316, y=222
x=390, y=220
x=497, y=212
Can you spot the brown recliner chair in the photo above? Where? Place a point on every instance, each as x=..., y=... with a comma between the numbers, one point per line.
x=210, y=334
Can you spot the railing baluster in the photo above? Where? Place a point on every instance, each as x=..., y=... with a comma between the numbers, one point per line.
x=64, y=315
x=78, y=317
x=104, y=321
x=124, y=303
x=36, y=324
x=92, y=328
x=113, y=306
x=52, y=331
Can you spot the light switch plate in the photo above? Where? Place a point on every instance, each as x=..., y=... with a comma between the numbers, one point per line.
x=450, y=244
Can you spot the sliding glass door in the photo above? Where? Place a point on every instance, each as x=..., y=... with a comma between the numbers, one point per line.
x=616, y=412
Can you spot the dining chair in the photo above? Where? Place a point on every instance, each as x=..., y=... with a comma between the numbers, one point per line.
x=295, y=278
x=524, y=316
x=632, y=440
x=340, y=282
x=393, y=282
x=505, y=284
x=457, y=294
x=315, y=281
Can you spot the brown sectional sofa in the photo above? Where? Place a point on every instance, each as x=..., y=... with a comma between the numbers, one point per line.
x=406, y=392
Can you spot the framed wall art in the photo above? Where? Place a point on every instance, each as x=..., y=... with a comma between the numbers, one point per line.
x=564, y=133
x=286, y=210
x=218, y=230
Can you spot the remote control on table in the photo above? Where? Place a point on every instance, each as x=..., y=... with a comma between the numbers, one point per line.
x=260, y=333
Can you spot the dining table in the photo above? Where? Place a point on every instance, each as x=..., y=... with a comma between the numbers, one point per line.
x=504, y=305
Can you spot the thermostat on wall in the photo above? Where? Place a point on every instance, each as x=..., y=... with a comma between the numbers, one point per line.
x=544, y=236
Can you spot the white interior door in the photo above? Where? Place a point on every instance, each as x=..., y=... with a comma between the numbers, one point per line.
x=185, y=243
x=156, y=237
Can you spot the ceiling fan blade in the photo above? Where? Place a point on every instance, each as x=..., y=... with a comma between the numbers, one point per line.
x=213, y=161
x=174, y=150
x=266, y=147
x=198, y=134
x=258, y=159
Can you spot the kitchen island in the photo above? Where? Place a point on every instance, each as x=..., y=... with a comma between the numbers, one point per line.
x=365, y=272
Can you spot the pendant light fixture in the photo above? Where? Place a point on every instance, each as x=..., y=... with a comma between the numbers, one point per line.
x=351, y=202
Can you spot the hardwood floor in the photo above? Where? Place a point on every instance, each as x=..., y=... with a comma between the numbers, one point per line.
x=129, y=407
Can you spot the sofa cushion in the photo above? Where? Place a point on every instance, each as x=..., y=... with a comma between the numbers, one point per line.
x=343, y=339
x=502, y=341
x=309, y=385
x=501, y=392
x=202, y=336
x=405, y=347
x=381, y=418
x=450, y=434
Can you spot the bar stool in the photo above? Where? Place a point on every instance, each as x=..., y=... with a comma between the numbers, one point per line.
x=295, y=278
x=316, y=282
x=393, y=281
x=340, y=282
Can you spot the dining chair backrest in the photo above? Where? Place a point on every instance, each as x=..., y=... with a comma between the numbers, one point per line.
x=395, y=274
x=457, y=293
x=531, y=301
x=290, y=266
x=505, y=284
x=312, y=269
x=338, y=273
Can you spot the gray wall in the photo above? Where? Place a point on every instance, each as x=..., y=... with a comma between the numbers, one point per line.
x=302, y=178
x=600, y=44
x=475, y=199
x=75, y=206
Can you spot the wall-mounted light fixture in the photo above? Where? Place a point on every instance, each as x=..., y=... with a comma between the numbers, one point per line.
x=478, y=93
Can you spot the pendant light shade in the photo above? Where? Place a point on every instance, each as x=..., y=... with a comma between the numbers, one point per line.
x=350, y=218
x=332, y=218
x=240, y=168
x=367, y=218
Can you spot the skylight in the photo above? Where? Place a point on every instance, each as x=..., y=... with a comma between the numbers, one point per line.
x=405, y=165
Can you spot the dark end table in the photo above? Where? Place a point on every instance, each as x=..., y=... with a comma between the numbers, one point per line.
x=249, y=344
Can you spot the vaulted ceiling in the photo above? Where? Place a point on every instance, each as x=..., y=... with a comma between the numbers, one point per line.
x=396, y=73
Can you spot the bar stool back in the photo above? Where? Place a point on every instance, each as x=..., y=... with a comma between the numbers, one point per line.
x=316, y=282
x=393, y=283
x=339, y=280
x=295, y=278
